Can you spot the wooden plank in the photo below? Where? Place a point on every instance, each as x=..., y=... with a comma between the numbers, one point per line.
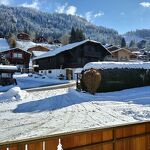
x=3, y=147
x=102, y=135
x=130, y=130
x=148, y=127
x=108, y=146
x=136, y=143
x=148, y=142
x=51, y=144
x=68, y=141
x=37, y=145
x=13, y=147
x=31, y=146
x=21, y=146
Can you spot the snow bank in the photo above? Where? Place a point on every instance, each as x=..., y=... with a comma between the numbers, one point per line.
x=8, y=67
x=112, y=65
x=57, y=111
x=3, y=44
x=13, y=94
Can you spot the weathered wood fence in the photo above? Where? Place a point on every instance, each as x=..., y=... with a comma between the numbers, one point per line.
x=126, y=137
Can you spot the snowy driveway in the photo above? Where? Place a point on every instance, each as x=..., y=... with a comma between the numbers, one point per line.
x=62, y=110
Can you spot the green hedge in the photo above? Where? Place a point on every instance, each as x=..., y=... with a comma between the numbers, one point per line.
x=119, y=79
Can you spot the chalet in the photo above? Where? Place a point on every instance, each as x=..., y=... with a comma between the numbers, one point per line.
x=65, y=60
x=23, y=36
x=6, y=74
x=17, y=56
x=112, y=48
x=41, y=39
x=37, y=50
x=57, y=42
x=121, y=54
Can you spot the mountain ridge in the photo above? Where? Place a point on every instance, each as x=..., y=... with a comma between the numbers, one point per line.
x=18, y=19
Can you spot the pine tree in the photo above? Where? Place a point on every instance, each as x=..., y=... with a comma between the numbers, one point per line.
x=132, y=44
x=11, y=40
x=65, y=39
x=12, y=43
x=76, y=35
x=123, y=43
x=79, y=35
x=73, y=35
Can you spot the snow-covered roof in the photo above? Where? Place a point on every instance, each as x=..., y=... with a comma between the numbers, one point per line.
x=122, y=49
x=38, y=53
x=112, y=65
x=8, y=67
x=3, y=44
x=11, y=49
x=136, y=52
x=64, y=48
x=25, y=45
x=78, y=70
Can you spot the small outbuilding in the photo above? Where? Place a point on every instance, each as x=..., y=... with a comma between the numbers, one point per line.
x=37, y=50
x=23, y=36
x=41, y=39
x=117, y=75
x=120, y=54
x=6, y=74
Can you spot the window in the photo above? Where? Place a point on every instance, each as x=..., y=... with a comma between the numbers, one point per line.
x=6, y=75
x=7, y=55
x=17, y=55
x=49, y=71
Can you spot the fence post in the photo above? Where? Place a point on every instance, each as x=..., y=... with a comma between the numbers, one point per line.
x=59, y=147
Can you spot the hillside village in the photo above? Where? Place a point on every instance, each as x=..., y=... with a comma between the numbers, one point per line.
x=87, y=88
x=31, y=55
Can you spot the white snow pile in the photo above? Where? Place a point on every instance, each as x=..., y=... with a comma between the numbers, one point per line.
x=52, y=112
x=112, y=65
x=25, y=45
x=26, y=81
x=8, y=67
x=14, y=94
x=3, y=44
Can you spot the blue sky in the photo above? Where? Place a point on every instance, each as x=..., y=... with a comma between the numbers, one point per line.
x=122, y=15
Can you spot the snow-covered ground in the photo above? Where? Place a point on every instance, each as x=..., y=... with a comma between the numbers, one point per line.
x=25, y=115
x=3, y=44
x=24, y=81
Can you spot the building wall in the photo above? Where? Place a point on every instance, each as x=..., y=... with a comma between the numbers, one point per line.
x=23, y=36
x=122, y=55
x=24, y=61
x=55, y=73
x=74, y=58
x=38, y=48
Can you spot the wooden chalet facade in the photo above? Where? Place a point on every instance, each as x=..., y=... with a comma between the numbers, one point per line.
x=17, y=56
x=6, y=74
x=120, y=54
x=23, y=36
x=37, y=50
x=41, y=39
x=112, y=48
x=74, y=55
